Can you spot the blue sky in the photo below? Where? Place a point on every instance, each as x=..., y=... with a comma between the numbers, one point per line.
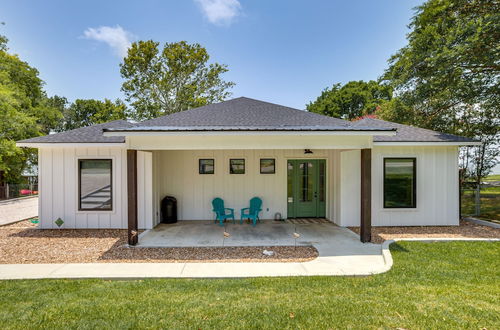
x=285, y=52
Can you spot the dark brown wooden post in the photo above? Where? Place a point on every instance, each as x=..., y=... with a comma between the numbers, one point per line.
x=366, y=196
x=133, y=235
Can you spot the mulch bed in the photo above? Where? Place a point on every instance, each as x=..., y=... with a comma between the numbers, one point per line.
x=466, y=229
x=21, y=242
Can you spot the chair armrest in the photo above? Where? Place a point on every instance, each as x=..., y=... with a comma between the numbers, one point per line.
x=246, y=208
x=228, y=208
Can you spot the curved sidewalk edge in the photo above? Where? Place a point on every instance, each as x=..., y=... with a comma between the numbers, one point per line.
x=329, y=265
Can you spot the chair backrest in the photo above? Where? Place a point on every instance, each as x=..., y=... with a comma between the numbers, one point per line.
x=255, y=205
x=218, y=205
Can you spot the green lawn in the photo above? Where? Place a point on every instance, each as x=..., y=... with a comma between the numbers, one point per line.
x=495, y=177
x=490, y=203
x=432, y=286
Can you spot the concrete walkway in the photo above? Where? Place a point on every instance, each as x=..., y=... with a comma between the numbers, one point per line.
x=340, y=253
x=18, y=209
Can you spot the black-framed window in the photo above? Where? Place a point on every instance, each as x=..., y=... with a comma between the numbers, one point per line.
x=267, y=166
x=206, y=166
x=237, y=166
x=400, y=183
x=95, y=184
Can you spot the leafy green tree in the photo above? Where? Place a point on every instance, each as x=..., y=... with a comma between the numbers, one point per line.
x=354, y=99
x=173, y=79
x=449, y=73
x=24, y=112
x=82, y=113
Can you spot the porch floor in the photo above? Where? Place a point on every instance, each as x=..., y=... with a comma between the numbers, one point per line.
x=329, y=239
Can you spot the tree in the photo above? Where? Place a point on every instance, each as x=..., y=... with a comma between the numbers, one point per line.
x=449, y=73
x=82, y=113
x=354, y=99
x=173, y=79
x=24, y=112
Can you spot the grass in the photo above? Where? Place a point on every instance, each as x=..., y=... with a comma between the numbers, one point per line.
x=495, y=177
x=490, y=203
x=432, y=285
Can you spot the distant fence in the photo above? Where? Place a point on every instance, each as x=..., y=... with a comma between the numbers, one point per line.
x=470, y=201
x=9, y=191
x=480, y=201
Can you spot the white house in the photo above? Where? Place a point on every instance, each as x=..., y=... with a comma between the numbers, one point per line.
x=301, y=164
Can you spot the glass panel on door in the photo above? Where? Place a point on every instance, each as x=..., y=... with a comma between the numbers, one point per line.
x=306, y=181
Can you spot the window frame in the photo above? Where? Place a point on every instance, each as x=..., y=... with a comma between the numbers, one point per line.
x=244, y=166
x=199, y=166
x=274, y=165
x=414, y=199
x=79, y=187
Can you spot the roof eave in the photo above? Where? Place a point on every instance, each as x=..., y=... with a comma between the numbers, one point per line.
x=38, y=145
x=427, y=143
x=158, y=132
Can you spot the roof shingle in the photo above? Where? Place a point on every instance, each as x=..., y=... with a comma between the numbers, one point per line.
x=89, y=134
x=245, y=114
x=406, y=133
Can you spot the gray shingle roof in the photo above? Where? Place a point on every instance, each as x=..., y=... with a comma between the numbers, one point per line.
x=90, y=134
x=243, y=112
x=407, y=133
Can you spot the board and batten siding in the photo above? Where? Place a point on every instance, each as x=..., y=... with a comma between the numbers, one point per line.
x=437, y=187
x=176, y=174
x=58, y=185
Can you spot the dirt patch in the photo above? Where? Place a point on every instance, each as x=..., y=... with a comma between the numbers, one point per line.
x=466, y=229
x=21, y=242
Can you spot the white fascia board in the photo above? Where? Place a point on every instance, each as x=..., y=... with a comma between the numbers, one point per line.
x=69, y=145
x=250, y=133
x=395, y=143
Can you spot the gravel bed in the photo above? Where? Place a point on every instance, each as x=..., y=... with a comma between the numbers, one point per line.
x=466, y=229
x=21, y=242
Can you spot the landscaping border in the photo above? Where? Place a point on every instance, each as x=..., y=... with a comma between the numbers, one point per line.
x=483, y=222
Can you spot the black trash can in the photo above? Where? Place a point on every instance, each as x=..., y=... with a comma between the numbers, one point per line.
x=168, y=210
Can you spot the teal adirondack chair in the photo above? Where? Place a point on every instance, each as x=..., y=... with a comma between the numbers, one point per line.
x=220, y=211
x=252, y=212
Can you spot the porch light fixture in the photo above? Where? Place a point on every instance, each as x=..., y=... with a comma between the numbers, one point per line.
x=307, y=151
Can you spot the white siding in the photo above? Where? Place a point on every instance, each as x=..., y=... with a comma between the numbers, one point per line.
x=144, y=190
x=175, y=172
x=437, y=187
x=59, y=188
x=349, y=186
x=177, y=175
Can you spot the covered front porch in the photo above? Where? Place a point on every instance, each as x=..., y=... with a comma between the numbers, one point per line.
x=328, y=184
x=306, y=174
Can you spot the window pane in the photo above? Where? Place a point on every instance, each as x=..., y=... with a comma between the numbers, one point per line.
x=322, y=181
x=267, y=166
x=95, y=184
x=399, y=183
x=290, y=182
x=237, y=166
x=206, y=166
x=306, y=182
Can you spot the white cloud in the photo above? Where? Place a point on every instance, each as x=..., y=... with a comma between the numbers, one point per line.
x=116, y=37
x=220, y=12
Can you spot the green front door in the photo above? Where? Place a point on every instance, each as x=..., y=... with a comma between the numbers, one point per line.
x=306, y=188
